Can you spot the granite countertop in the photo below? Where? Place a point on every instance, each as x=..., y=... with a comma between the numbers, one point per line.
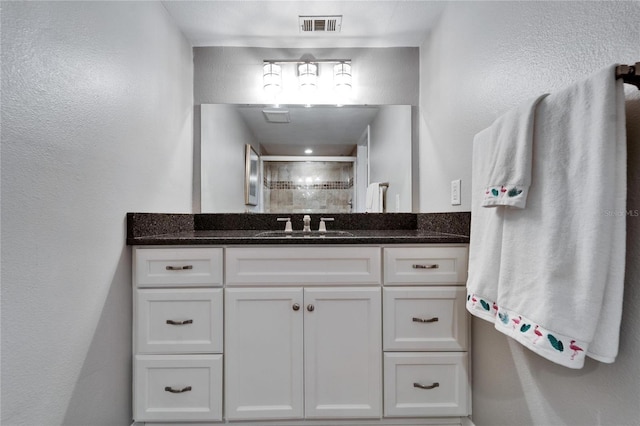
x=263, y=228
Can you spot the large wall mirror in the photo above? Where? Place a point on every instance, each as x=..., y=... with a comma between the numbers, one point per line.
x=313, y=159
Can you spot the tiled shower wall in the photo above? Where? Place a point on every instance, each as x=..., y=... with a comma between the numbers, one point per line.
x=308, y=187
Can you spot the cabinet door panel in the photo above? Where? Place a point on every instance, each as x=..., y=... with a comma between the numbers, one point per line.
x=342, y=353
x=263, y=369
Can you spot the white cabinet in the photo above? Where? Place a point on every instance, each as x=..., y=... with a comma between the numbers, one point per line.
x=426, y=384
x=264, y=353
x=302, y=265
x=300, y=335
x=343, y=351
x=177, y=334
x=426, y=329
x=425, y=318
x=425, y=265
x=178, y=387
x=283, y=343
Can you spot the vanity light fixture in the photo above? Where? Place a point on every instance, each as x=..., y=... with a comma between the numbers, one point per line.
x=308, y=76
x=342, y=77
x=272, y=77
x=307, y=73
x=308, y=151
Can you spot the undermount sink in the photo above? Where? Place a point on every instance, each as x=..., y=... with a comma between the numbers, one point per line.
x=301, y=234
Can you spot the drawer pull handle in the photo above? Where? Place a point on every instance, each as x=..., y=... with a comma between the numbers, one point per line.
x=178, y=268
x=172, y=322
x=434, y=319
x=172, y=390
x=433, y=386
x=418, y=266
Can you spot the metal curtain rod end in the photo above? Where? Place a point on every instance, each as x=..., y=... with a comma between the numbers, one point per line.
x=630, y=74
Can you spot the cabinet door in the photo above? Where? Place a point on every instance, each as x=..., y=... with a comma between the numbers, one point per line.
x=343, y=352
x=263, y=351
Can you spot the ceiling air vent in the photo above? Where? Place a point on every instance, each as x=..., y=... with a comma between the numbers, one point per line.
x=315, y=24
x=276, y=116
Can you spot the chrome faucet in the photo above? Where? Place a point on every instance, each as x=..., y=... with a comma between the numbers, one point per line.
x=323, y=226
x=287, y=226
x=307, y=223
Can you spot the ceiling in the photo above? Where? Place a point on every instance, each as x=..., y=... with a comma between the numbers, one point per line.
x=274, y=23
x=328, y=130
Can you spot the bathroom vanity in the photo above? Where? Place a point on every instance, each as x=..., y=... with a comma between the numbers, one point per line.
x=247, y=326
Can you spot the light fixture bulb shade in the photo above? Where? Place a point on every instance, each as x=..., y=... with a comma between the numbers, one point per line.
x=272, y=78
x=308, y=76
x=342, y=77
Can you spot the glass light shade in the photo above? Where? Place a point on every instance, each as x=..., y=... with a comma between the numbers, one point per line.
x=342, y=77
x=308, y=76
x=272, y=78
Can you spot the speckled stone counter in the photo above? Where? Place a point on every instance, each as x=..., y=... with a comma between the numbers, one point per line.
x=243, y=229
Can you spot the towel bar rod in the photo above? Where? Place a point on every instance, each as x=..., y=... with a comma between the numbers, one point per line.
x=630, y=74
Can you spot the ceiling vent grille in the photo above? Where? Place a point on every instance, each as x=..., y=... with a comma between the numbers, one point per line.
x=276, y=116
x=316, y=24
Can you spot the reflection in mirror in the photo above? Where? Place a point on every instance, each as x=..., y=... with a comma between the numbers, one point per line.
x=309, y=186
x=375, y=140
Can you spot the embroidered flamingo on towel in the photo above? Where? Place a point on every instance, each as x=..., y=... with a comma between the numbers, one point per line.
x=575, y=348
x=538, y=334
x=516, y=321
x=474, y=300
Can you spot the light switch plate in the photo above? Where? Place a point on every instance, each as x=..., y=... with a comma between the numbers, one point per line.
x=455, y=192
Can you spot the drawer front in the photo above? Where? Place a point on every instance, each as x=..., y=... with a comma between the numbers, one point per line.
x=159, y=267
x=303, y=265
x=425, y=319
x=426, y=384
x=425, y=265
x=178, y=388
x=179, y=321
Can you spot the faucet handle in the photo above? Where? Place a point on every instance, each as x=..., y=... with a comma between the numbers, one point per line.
x=323, y=226
x=287, y=226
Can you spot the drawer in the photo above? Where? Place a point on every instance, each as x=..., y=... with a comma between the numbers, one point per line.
x=179, y=321
x=303, y=265
x=160, y=267
x=425, y=265
x=425, y=319
x=178, y=388
x=426, y=384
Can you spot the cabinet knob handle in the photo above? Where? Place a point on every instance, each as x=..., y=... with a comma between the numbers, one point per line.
x=421, y=386
x=172, y=390
x=434, y=319
x=419, y=266
x=172, y=322
x=178, y=268
x=296, y=306
x=310, y=308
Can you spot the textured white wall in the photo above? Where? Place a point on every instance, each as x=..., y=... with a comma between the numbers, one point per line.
x=96, y=121
x=223, y=173
x=481, y=60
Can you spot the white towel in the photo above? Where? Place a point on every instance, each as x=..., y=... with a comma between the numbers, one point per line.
x=374, y=198
x=561, y=264
x=485, y=243
x=508, y=177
